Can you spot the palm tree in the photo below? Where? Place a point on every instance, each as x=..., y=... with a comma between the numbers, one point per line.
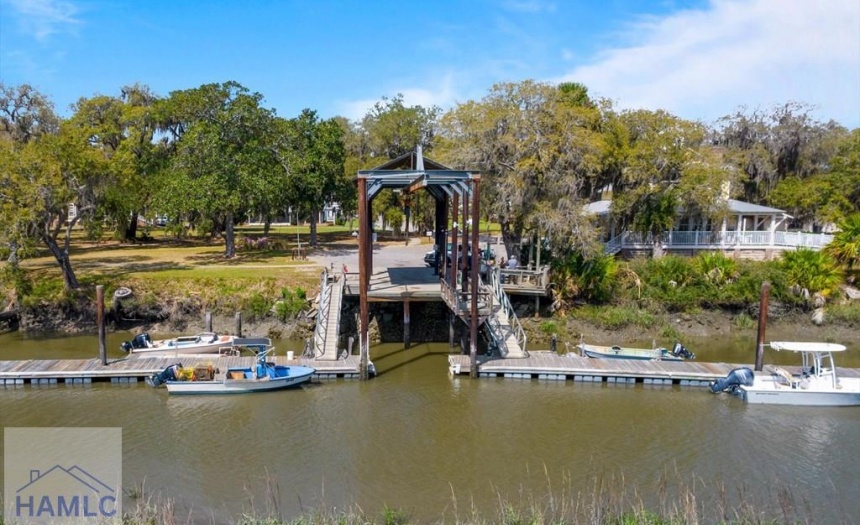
x=810, y=272
x=716, y=268
x=845, y=246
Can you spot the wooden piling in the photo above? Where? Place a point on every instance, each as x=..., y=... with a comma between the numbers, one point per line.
x=238, y=324
x=207, y=321
x=475, y=281
x=762, y=325
x=100, y=321
x=406, y=324
x=365, y=250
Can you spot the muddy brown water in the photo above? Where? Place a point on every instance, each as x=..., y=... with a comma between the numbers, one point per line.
x=416, y=439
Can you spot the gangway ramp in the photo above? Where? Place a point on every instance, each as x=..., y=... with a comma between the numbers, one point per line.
x=327, y=332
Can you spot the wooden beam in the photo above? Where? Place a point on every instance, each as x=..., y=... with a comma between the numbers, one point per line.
x=363, y=277
x=473, y=328
x=455, y=210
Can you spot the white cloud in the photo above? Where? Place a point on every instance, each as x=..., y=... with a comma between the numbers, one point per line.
x=703, y=64
x=43, y=18
x=442, y=95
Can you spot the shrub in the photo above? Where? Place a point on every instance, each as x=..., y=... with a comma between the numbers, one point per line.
x=810, y=272
x=715, y=268
x=256, y=305
x=549, y=327
x=291, y=304
x=592, y=279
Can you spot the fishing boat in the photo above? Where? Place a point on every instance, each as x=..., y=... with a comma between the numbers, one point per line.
x=678, y=353
x=817, y=384
x=202, y=343
x=262, y=377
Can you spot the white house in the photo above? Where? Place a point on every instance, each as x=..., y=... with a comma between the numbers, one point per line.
x=750, y=231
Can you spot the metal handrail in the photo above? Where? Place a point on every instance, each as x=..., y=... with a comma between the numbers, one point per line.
x=322, y=314
x=460, y=301
x=505, y=304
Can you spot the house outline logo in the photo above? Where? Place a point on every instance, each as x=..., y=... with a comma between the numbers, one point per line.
x=38, y=499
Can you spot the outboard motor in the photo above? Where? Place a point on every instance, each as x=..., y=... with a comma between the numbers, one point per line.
x=680, y=350
x=168, y=374
x=140, y=341
x=737, y=377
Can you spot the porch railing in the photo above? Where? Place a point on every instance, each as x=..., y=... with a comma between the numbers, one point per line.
x=719, y=240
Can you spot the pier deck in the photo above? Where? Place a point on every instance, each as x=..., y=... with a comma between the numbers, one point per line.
x=551, y=366
x=133, y=369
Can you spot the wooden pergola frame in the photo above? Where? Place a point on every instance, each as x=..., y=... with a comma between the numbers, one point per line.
x=409, y=173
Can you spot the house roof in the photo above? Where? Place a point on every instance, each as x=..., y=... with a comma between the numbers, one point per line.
x=735, y=206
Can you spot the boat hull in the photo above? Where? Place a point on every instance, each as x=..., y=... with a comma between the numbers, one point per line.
x=297, y=375
x=176, y=347
x=766, y=391
x=636, y=354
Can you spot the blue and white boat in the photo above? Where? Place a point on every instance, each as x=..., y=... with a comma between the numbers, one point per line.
x=261, y=377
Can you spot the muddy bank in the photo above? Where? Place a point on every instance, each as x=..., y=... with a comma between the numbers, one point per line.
x=667, y=328
x=170, y=316
x=429, y=323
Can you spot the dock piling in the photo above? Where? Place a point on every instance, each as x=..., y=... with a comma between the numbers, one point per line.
x=406, y=324
x=762, y=325
x=100, y=321
x=238, y=324
x=207, y=321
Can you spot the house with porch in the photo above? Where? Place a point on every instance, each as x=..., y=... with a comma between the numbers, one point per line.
x=750, y=231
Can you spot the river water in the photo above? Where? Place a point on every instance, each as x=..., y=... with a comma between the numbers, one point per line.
x=416, y=439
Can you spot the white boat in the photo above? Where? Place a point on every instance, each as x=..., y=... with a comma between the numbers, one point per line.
x=202, y=343
x=817, y=384
x=262, y=377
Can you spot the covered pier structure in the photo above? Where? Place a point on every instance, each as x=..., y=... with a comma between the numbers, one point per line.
x=456, y=194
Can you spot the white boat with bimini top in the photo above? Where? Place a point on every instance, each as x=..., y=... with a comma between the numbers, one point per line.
x=202, y=343
x=817, y=384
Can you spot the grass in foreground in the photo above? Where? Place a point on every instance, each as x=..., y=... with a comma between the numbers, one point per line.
x=605, y=502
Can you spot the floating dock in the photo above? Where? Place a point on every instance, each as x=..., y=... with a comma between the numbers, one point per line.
x=539, y=365
x=551, y=366
x=134, y=369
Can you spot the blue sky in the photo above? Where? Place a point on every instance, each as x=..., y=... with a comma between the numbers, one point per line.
x=699, y=59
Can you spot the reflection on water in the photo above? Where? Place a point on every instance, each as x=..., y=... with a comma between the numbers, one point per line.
x=416, y=439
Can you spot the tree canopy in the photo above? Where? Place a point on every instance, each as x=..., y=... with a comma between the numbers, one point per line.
x=212, y=156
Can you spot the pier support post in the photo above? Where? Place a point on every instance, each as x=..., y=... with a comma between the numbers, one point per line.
x=451, y=320
x=473, y=325
x=365, y=265
x=762, y=325
x=455, y=211
x=239, y=324
x=207, y=322
x=406, y=324
x=100, y=321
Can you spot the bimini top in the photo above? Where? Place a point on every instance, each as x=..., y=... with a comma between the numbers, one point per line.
x=807, y=347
